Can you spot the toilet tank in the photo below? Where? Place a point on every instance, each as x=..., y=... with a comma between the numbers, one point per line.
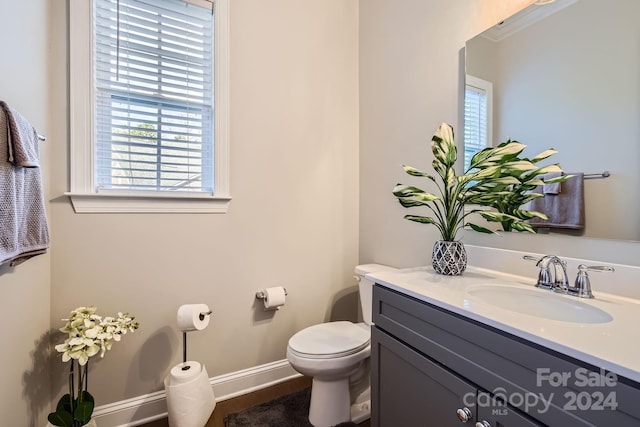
x=365, y=287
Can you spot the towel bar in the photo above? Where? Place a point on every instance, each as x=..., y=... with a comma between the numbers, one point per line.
x=42, y=137
x=604, y=174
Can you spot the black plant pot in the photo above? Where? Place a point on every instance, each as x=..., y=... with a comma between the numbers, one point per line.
x=449, y=258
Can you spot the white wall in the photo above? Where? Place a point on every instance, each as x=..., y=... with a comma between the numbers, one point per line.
x=24, y=290
x=292, y=221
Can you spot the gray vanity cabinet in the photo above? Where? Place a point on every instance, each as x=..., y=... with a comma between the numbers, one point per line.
x=406, y=381
x=412, y=390
x=430, y=367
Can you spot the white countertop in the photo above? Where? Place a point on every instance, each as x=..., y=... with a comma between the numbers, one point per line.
x=613, y=346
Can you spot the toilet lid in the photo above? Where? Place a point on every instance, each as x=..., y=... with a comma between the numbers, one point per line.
x=333, y=339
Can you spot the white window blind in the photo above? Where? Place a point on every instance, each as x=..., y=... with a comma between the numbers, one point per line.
x=477, y=113
x=154, y=96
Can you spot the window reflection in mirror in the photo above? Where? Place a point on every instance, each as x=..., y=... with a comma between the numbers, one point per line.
x=478, y=109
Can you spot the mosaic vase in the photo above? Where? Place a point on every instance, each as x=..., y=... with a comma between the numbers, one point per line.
x=449, y=258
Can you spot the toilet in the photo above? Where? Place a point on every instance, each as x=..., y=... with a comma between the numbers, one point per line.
x=336, y=356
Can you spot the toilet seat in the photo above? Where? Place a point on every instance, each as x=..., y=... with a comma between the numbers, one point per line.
x=330, y=340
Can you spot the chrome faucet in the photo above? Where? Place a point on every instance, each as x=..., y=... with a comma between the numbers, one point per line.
x=554, y=277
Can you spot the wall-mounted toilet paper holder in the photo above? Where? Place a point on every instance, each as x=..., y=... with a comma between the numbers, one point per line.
x=261, y=295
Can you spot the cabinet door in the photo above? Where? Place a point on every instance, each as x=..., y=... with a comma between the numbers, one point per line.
x=409, y=390
x=494, y=414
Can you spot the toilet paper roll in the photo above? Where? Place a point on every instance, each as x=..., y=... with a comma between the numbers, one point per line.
x=190, y=317
x=274, y=298
x=190, y=399
x=184, y=372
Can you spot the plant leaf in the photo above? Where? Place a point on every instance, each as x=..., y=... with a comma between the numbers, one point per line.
x=489, y=172
x=415, y=172
x=523, y=226
x=519, y=166
x=405, y=191
x=504, y=180
x=64, y=404
x=61, y=419
x=524, y=214
x=561, y=178
x=555, y=168
x=506, y=149
x=401, y=190
x=545, y=154
x=409, y=203
x=475, y=227
x=83, y=411
x=497, y=155
x=420, y=219
x=497, y=216
x=443, y=145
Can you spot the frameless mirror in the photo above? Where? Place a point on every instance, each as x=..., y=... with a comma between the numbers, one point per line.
x=566, y=75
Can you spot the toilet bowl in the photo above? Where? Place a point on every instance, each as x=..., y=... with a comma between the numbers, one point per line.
x=336, y=356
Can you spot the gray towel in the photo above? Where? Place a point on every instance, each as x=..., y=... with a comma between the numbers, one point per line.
x=22, y=139
x=24, y=232
x=565, y=209
x=554, y=187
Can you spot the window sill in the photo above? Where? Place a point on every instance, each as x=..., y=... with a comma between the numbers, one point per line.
x=148, y=203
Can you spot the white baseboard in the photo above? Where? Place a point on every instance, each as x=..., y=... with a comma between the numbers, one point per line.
x=150, y=407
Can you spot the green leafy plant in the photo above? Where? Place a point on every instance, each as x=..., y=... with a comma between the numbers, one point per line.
x=495, y=186
x=88, y=335
x=515, y=186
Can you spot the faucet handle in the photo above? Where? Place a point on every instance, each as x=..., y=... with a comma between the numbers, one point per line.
x=544, y=275
x=582, y=287
x=531, y=258
x=601, y=268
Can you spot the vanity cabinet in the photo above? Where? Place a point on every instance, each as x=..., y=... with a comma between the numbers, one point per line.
x=412, y=390
x=433, y=367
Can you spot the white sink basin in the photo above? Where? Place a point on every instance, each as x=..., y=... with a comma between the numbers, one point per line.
x=539, y=303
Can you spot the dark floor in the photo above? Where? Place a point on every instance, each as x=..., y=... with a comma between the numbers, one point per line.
x=248, y=400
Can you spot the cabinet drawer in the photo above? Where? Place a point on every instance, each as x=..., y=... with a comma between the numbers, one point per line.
x=505, y=365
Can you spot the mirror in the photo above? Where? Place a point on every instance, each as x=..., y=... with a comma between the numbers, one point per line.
x=566, y=75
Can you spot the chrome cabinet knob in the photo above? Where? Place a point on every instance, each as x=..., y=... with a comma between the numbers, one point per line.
x=464, y=414
x=483, y=423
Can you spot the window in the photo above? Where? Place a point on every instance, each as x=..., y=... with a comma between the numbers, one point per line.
x=477, y=117
x=148, y=110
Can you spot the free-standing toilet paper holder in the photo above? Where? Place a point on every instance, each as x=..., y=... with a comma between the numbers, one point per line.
x=186, y=367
